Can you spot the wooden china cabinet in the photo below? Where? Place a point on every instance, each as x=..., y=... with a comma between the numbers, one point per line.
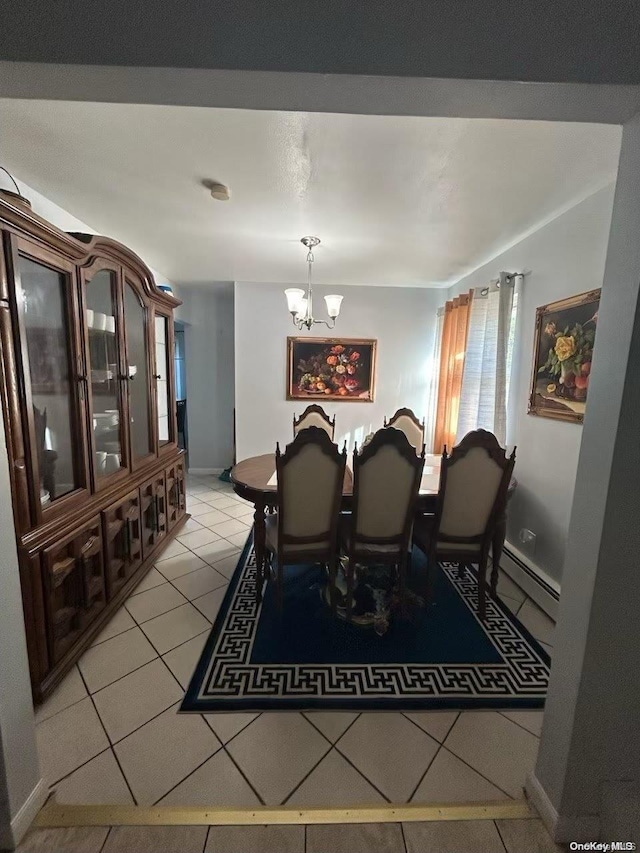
x=88, y=394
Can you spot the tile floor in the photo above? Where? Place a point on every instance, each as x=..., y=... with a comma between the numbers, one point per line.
x=110, y=733
x=474, y=836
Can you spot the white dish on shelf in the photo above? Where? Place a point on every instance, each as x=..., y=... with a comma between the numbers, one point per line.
x=99, y=321
x=90, y=318
x=106, y=418
x=110, y=325
x=112, y=463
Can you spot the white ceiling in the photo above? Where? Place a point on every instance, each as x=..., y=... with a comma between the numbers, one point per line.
x=395, y=200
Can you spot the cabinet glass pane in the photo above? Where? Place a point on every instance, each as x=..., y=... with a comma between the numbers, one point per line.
x=162, y=379
x=46, y=323
x=103, y=373
x=135, y=319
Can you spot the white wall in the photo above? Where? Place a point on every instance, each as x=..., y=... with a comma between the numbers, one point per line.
x=207, y=313
x=402, y=320
x=588, y=768
x=565, y=257
x=19, y=769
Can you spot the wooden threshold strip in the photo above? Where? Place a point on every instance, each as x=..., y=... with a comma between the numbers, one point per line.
x=54, y=814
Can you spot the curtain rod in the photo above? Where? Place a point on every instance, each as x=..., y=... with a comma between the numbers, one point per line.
x=511, y=275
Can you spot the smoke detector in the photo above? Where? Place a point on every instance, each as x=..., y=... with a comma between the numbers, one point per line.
x=218, y=191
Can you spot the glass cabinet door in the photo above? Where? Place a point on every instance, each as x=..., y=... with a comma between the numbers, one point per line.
x=164, y=406
x=105, y=387
x=140, y=431
x=44, y=301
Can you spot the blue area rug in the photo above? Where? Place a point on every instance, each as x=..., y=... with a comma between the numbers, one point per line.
x=441, y=656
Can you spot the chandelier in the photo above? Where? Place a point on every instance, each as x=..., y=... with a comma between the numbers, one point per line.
x=301, y=305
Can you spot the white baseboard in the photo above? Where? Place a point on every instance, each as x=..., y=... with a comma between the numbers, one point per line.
x=197, y=471
x=25, y=816
x=538, y=585
x=562, y=829
x=538, y=798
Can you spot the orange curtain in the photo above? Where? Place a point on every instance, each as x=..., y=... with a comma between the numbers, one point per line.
x=454, y=345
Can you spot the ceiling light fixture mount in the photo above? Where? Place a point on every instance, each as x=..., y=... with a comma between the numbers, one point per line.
x=301, y=305
x=217, y=190
x=220, y=192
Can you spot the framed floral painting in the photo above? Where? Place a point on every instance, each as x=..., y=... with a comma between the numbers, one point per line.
x=563, y=355
x=331, y=369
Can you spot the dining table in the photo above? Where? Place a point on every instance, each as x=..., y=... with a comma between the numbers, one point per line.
x=254, y=479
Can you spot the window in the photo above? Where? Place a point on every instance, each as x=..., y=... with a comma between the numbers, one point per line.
x=479, y=398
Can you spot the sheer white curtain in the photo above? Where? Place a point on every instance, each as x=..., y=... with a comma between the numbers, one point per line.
x=487, y=366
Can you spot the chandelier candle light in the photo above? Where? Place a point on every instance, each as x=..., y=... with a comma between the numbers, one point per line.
x=301, y=305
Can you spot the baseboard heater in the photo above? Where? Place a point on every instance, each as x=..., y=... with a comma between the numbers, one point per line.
x=544, y=590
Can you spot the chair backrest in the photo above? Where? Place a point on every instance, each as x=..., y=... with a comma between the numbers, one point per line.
x=406, y=421
x=310, y=481
x=316, y=416
x=386, y=480
x=474, y=480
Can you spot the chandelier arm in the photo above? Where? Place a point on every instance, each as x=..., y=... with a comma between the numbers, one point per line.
x=329, y=325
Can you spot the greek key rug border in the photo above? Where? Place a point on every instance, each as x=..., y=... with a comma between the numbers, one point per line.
x=523, y=673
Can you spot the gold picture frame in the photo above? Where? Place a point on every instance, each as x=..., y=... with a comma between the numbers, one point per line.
x=562, y=355
x=333, y=369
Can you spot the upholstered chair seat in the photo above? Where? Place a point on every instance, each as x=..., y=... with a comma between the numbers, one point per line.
x=423, y=530
x=474, y=480
x=310, y=476
x=271, y=523
x=366, y=549
x=386, y=481
x=370, y=549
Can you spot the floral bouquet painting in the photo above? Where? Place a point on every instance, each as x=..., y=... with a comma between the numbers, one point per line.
x=565, y=337
x=323, y=368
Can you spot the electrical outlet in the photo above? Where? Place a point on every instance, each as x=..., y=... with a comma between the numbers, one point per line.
x=528, y=539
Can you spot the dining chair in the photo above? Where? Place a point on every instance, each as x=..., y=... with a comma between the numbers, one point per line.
x=474, y=479
x=406, y=421
x=315, y=415
x=386, y=481
x=304, y=529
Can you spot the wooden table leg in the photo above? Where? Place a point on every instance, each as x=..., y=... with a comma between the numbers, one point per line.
x=497, y=546
x=259, y=541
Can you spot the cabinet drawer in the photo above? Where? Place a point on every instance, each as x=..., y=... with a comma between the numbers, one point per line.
x=176, y=493
x=153, y=510
x=74, y=586
x=122, y=534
